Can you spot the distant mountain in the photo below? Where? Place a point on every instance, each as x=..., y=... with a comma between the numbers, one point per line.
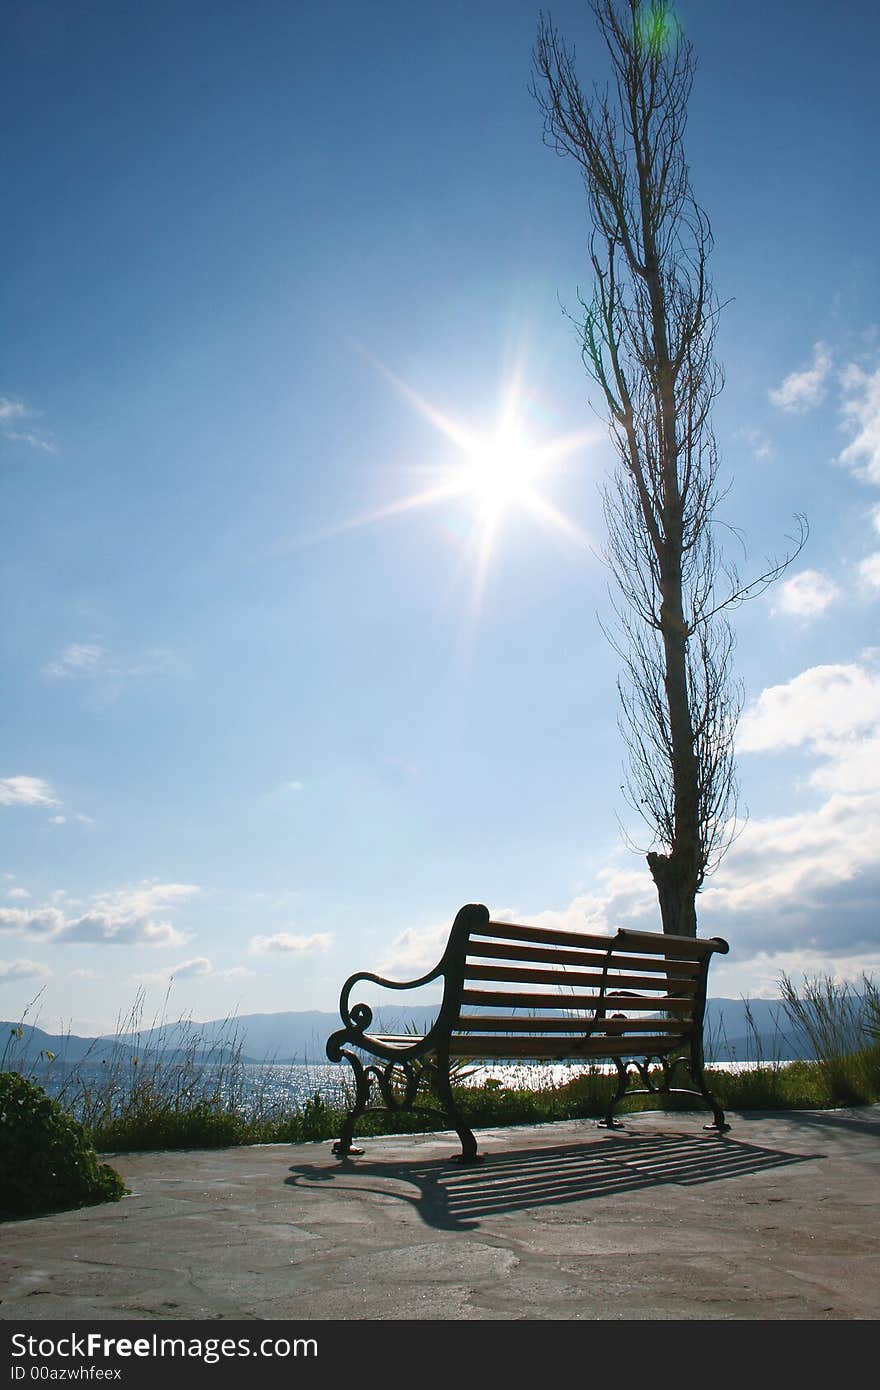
x=301, y=1037
x=35, y=1047
x=66, y=1046
x=728, y=1036
x=283, y=1037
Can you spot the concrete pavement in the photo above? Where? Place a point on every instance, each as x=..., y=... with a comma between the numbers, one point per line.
x=779, y=1219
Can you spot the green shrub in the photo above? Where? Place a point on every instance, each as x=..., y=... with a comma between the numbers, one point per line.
x=46, y=1161
x=161, y=1126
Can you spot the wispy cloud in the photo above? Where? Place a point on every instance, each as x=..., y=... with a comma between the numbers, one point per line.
x=861, y=419
x=11, y=410
x=77, y=659
x=35, y=441
x=92, y=661
x=291, y=943
x=26, y=791
x=759, y=443
x=805, y=595
x=869, y=571
x=803, y=390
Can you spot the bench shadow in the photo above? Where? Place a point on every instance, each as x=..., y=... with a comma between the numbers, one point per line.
x=451, y=1197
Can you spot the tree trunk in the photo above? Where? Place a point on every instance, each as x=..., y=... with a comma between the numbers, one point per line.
x=675, y=892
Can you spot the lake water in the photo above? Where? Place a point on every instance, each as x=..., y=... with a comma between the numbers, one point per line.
x=284, y=1087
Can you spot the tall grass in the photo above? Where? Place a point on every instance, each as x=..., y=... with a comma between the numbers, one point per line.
x=841, y=1028
x=152, y=1092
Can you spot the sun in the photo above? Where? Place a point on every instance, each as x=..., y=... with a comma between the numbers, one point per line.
x=492, y=473
x=501, y=472
x=495, y=471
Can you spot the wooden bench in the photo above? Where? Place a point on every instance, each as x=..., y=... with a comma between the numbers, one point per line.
x=519, y=993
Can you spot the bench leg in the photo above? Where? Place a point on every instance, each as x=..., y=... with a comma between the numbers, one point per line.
x=609, y=1121
x=719, y=1123
x=343, y=1146
x=444, y=1092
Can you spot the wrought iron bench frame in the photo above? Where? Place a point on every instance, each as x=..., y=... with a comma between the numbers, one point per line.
x=401, y=1064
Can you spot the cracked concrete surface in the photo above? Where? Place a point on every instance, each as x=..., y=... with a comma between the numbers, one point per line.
x=776, y=1220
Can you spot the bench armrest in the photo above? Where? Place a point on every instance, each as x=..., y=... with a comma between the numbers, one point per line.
x=358, y=1017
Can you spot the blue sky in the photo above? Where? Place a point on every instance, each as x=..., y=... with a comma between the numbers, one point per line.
x=270, y=270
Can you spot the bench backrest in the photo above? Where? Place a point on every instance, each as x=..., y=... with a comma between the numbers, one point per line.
x=518, y=991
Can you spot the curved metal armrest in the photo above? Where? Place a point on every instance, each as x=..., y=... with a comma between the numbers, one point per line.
x=360, y=1016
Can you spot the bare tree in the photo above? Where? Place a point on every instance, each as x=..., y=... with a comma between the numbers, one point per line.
x=648, y=341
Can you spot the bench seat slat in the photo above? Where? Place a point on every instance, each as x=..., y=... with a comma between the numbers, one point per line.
x=507, y=999
x=496, y=950
x=634, y=1037
x=564, y=979
x=517, y=1024
x=560, y=1049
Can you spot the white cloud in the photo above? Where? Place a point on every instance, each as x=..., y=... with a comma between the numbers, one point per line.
x=58, y=820
x=11, y=410
x=38, y=923
x=810, y=881
x=803, y=390
x=805, y=595
x=288, y=942
x=786, y=864
x=861, y=417
x=828, y=709
x=18, y=893
x=127, y=917
x=185, y=970
x=23, y=970
x=199, y=965
x=26, y=791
